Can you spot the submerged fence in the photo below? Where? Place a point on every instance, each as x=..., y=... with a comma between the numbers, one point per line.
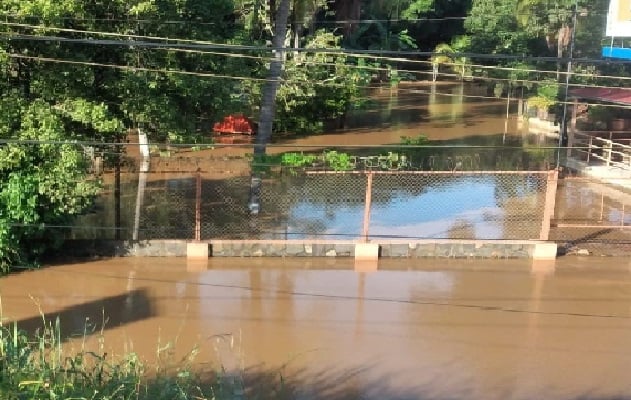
x=352, y=193
x=359, y=193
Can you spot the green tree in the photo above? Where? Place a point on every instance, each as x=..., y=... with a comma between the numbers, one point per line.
x=171, y=100
x=317, y=87
x=55, y=92
x=44, y=180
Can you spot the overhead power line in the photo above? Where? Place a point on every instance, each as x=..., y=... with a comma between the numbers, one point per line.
x=241, y=78
x=350, y=54
x=17, y=16
x=200, y=45
x=131, y=68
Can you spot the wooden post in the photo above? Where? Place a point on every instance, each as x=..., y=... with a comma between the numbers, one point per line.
x=143, y=144
x=117, y=191
x=550, y=200
x=198, y=208
x=367, y=206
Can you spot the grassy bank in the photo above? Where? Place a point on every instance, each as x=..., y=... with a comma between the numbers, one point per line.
x=38, y=366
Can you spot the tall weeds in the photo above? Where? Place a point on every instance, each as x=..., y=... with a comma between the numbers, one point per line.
x=38, y=367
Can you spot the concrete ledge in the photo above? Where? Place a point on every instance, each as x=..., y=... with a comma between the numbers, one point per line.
x=197, y=250
x=426, y=248
x=544, y=251
x=366, y=251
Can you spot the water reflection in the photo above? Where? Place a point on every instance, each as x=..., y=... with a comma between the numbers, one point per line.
x=431, y=107
x=420, y=207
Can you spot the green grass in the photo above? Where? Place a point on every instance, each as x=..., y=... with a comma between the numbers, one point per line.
x=38, y=366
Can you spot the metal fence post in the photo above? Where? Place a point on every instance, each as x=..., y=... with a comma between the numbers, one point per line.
x=198, y=208
x=117, y=190
x=609, y=149
x=550, y=200
x=367, y=205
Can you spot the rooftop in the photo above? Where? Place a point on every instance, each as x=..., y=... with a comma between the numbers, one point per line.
x=609, y=95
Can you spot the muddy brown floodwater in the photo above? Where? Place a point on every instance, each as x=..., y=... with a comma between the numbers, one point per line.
x=415, y=329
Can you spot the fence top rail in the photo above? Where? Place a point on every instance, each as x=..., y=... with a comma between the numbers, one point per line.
x=403, y=172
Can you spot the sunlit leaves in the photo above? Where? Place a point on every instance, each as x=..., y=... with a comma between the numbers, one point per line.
x=317, y=86
x=94, y=115
x=42, y=180
x=143, y=8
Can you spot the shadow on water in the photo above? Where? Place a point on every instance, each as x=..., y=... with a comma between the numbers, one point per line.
x=335, y=384
x=361, y=383
x=93, y=316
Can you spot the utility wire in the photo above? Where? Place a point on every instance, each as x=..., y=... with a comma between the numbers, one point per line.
x=135, y=69
x=188, y=44
x=404, y=60
x=132, y=68
x=411, y=61
x=241, y=78
x=554, y=12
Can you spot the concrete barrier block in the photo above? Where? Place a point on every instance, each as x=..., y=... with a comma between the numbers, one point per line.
x=366, y=251
x=544, y=251
x=197, y=250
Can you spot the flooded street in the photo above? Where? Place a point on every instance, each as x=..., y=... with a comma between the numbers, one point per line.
x=465, y=125
x=415, y=329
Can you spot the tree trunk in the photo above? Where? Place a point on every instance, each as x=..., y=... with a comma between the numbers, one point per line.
x=268, y=101
x=348, y=10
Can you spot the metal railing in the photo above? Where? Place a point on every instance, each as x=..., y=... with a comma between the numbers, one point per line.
x=593, y=147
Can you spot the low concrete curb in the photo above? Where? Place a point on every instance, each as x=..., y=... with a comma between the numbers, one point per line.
x=537, y=250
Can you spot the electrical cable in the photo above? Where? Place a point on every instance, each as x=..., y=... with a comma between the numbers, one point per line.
x=211, y=45
x=592, y=12
x=243, y=78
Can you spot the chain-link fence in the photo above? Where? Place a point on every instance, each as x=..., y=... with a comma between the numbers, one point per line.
x=593, y=215
x=341, y=193
x=353, y=193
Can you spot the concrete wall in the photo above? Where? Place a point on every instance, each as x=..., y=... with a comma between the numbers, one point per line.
x=120, y=248
x=262, y=248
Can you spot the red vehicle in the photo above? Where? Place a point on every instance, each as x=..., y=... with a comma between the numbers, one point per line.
x=235, y=124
